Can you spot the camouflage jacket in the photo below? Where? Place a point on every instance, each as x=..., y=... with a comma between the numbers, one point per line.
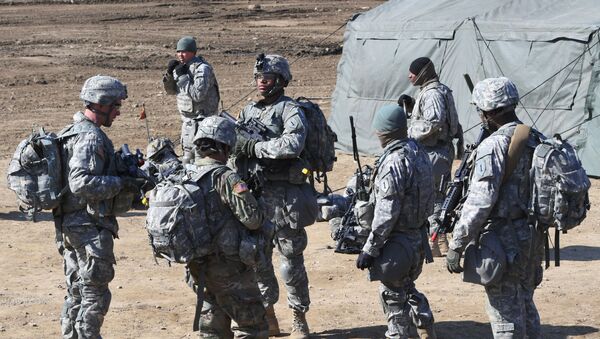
x=287, y=128
x=434, y=119
x=89, y=166
x=492, y=199
x=402, y=193
x=197, y=90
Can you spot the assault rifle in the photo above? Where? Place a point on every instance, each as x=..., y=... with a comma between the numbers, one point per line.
x=128, y=164
x=346, y=236
x=251, y=129
x=251, y=171
x=457, y=189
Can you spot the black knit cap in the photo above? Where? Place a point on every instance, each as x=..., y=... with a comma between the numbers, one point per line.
x=418, y=64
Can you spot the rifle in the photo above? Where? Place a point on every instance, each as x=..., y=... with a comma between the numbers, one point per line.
x=129, y=164
x=457, y=189
x=346, y=237
x=360, y=190
x=251, y=129
x=251, y=171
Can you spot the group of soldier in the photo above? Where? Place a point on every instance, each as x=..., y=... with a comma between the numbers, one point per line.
x=238, y=297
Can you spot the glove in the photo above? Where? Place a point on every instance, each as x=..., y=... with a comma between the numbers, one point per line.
x=172, y=64
x=181, y=69
x=245, y=147
x=364, y=260
x=453, y=261
x=131, y=184
x=407, y=102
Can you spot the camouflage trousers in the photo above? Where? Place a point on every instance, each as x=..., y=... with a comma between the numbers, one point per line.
x=404, y=306
x=88, y=266
x=284, y=207
x=232, y=305
x=441, y=161
x=188, y=131
x=512, y=312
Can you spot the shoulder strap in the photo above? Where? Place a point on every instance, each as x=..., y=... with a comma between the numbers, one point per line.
x=518, y=141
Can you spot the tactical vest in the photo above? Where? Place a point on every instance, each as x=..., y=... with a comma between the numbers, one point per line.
x=451, y=127
x=71, y=202
x=210, y=103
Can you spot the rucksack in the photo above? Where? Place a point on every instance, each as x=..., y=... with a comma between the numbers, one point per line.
x=176, y=221
x=560, y=185
x=319, y=149
x=34, y=172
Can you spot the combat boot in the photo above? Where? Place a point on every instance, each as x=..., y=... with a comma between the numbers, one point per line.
x=427, y=333
x=435, y=248
x=442, y=241
x=299, y=326
x=272, y=321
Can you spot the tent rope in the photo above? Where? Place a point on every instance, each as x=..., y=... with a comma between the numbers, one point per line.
x=487, y=45
x=298, y=58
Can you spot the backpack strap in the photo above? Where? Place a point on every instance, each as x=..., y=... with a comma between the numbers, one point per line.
x=518, y=141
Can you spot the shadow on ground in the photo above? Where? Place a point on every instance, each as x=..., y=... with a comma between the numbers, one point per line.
x=458, y=330
x=578, y=253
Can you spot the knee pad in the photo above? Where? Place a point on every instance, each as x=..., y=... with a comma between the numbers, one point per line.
x=97, y=272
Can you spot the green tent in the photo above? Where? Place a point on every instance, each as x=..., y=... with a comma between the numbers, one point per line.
x=549, y=48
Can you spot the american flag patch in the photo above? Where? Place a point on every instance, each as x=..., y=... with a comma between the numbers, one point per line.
x=240, y=187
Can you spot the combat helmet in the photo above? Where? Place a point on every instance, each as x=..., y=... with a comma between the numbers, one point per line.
x=218, y=129
x=103, y=90
x=273, y=63
x=493, y=93
x=157, y=145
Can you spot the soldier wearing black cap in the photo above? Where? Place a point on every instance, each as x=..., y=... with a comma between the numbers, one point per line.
x=434, y=123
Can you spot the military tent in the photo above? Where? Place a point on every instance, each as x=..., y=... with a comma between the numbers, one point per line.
x=549, y=48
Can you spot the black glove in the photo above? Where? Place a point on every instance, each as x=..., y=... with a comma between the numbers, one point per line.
x=407, y=102
x=245, y=147
x=181, y=69
x=364, y=260
x=172, y=64
x=133, y=185
x=453, y=261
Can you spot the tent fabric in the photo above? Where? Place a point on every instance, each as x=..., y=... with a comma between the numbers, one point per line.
x=549, y=48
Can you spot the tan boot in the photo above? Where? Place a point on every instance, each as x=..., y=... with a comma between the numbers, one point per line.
x=435, y=248
x=272, y=321
x=427, y=333
x=299, y=326
x=442, y=241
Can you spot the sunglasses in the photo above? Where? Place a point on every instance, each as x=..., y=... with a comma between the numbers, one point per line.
x=265, y=76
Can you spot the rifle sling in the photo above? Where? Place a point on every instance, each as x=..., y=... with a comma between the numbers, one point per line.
x=518, y=141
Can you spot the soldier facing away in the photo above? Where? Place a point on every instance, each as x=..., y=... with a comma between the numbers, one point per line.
x=193, y=81
x=290, y=202
x=85, y=220
x=434, y=124
x=162, y=159
x=497, y=202
x=233, y=304
x=402, y=199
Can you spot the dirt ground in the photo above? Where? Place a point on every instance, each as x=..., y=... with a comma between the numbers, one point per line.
x=47, y=51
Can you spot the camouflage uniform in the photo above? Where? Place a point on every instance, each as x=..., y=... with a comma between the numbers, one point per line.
x=286, y=136
x=162, y=160
x=432, y=124
x=500, y=205
x=88, y=228
x=197, y=97
x=402, y=197
x=231, y=289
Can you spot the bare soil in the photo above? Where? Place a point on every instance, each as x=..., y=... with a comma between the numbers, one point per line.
x=48, y=48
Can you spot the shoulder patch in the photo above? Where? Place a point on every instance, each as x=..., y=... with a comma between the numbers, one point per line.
x=240, y=187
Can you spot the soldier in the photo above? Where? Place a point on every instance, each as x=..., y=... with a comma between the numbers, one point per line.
x=86, y=219
x=402, y=199
x=497, y=202
x=232, y=292
x=434, y=123
x=162, y=159
x=192, y=79
x=290, y=201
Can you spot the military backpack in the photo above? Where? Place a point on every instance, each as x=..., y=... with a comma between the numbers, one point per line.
x=319, y=149
x=176, y=221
